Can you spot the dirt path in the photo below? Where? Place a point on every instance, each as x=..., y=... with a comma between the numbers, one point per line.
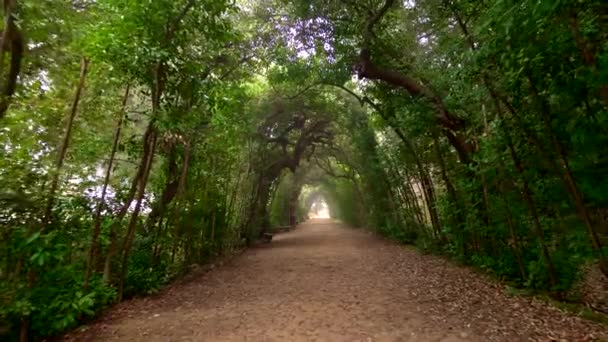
x=323, y=282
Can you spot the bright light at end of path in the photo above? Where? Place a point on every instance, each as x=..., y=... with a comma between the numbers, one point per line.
x=319, y=209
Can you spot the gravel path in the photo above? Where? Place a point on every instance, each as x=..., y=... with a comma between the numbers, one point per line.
x=325, y=282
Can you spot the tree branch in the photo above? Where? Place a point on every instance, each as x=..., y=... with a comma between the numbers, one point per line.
x=452, y=126
x=174, y=24
x=373, y=20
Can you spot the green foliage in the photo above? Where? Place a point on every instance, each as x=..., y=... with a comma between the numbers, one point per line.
x=404, y=236
x=193, y=206
x=279, y=207
x=145, y=276
x=70, y=303
x=526, y=201
x=483, y=138
x=56, y=301
x=344, y=202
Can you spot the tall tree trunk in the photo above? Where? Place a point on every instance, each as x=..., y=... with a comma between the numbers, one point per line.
x=518, y=164
x=528, y=198
x=84, y=64
x=515, y=245
x=113, y=247
x=174, y=185
x=231, y=211
x=208, y=184
x=262, y=210
x=464, y=148
x=537, y=226
x=183, y=178
x=426, y=183
x=568, y=178
x=424, y=177
x=167, y=195
x=293, y=203
x=94, y=248
x=409, y=200
x=391, y=200
x=562, y=170
x=393, y=173
x=212, y=235
x=142, y=170
x=362, y=204
x=156, y=239
x=135, y=215
x=24, y=329
x=258, y=214
x=429, y=196
x=415, y=200
x=452, y=195
x=181, y=193
x=12, y=40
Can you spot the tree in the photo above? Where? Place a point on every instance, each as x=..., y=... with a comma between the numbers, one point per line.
x=139, y=138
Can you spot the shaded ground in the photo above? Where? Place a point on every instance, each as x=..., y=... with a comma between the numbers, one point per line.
x=324, y=282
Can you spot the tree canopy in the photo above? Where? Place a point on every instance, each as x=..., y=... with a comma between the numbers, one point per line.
x=138, y=138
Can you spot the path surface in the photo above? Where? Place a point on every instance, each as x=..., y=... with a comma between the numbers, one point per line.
x=324, y=282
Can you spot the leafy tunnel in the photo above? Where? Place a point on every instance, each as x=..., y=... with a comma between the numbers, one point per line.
x=138, y=138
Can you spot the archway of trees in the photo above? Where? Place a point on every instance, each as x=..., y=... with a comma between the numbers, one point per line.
x=319, y=210
x=140, y=137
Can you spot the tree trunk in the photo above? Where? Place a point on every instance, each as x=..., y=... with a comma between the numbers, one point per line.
x=174, y=185
x=429, y=196
x=464, y=148
x=160, y=205
x=257, y=218
x=183, y=178
x=84, y=64
x=94, y=248
x=212, y=236
x=135, y=215
x=230, y=212
x=400, y=196
x=414, y=197
x=568, y=178
x=528, y=198
x=156, y=239
x=362, y=205
x=113, y=247
x=261, y=216
x=425, y=179
x=515, y=240
x=451, y=125
x=448, y=183
x=24, y=329
x=293, y=203
x=12, y=40
x=562, y=170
